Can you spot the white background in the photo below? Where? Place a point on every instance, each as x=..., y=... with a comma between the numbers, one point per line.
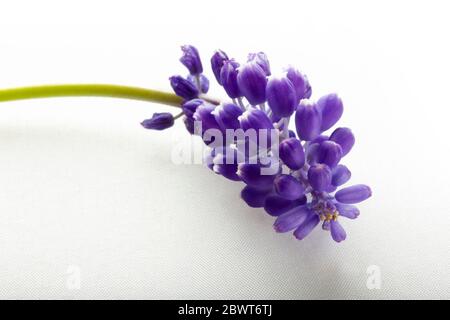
x=86, y=193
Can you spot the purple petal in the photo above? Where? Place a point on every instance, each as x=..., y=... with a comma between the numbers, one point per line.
x=291, y=219
x=341, y=175
x=254, y=197
x=227, y=115
x=298, y=81
x=308, y=120
x=353, y=194
x=217, y=61
x=292, y=154
x=159, y=121
x=275, y=205
x=191, y=59
x=329, y=153
x=252, y=83
x=183, y=87
x=337, y=232
x=228, y=78
x=288, y=187
x=281, y=96
x=319, y=177
x=345, y=138
x=332, y=108
x=347, y=210
x=307, y=226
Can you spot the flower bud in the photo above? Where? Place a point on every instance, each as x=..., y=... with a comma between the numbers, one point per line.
x=276, y=205
x=191, y=60
x=292, y=154
x=347, y=210
x=353, y=194
x=329, y=153
x=254, y=197
x=200, y=81
x=260, y=58
x=332, y=108
x=205, y=116
x=252, y=83
x=189, y=107
x=159, y=121
x=308, y=120
x=298, y=81
x=253, y=174
x=226, y=165
x=281, y=96
x=288, y=187
x=312, y=153
x=217, y=61
x=320, y=139
x=308, y=90
x=319, y=177
x=304, y=229
x=228, y=78
x=291, y=219
x=341, y=175
x=255, y=119
x=337, y=232
x=189, y=124
x=227, y=115
x=183, y=87
x=345, y=138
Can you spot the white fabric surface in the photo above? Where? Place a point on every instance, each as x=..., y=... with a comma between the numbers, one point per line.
x=92, y=206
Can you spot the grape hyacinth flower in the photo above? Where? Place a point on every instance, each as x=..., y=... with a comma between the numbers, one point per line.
x=302, y=191
x=296, y=175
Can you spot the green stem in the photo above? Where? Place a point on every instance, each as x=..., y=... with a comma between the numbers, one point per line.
x=101, y=90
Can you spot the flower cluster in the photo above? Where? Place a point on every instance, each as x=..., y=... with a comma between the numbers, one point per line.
x=293, y=175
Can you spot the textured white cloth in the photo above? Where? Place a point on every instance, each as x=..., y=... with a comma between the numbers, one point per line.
x=92, y=206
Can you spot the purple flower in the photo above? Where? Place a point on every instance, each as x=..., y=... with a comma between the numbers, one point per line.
x=227, y=115
x=255, y=197
x=260, y=59
x=254, y=175
x=288, y=187
x=276, y=205
x=347, y=210
x=292, y=219
x=319, y=177
x=191, y=60
x=183, y=87
x=308, y=225
x=225, y=163
x=299, y=82
x=255, y=119
x=252, y=83
x=341, y=175
x=337, y=232
x=345, y=138
x=217, y=60
x=329, y=153
x=308, y=120
x=159, y=121
x=200, y=81
x=228, y=78
x=353, y=194
x=281, y=96
x=293, y=176
x=292, y=154
x=332, y=108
